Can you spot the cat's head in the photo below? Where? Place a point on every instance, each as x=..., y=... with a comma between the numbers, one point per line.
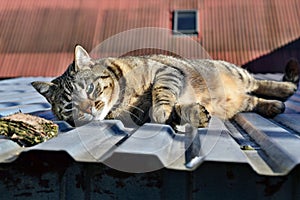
x=86, y=91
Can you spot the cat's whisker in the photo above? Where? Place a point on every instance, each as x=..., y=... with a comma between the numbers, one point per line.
x=84, y=118
x=139, y=109
x=130, y=113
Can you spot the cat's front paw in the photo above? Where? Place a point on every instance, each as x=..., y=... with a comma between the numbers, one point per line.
x=161, y=114
x=194, y=114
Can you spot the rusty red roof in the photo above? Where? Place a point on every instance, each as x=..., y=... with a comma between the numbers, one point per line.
x=240, y=31
x=37, y=38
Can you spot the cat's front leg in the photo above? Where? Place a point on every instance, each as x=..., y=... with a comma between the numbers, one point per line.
x=163, y=103
x=167, y=87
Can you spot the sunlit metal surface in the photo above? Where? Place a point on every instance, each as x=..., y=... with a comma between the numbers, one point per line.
x=269, y=146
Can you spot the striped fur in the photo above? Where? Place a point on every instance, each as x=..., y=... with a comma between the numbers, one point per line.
x=158, y=88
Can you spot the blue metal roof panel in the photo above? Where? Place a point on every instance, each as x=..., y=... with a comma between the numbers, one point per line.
x=88, y=143
x=280, y=146
x=291, y=121
x=18, y=95
x=9, y=150
x=268, y=146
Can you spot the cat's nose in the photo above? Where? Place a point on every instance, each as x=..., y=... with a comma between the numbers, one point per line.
x=88, y=110
x=86, y=107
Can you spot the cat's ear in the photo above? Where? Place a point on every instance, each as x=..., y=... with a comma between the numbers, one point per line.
x=44, y=88
x=81, y=57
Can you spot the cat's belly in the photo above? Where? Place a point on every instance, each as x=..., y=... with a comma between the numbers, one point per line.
x=217, y=98
x=189, y=95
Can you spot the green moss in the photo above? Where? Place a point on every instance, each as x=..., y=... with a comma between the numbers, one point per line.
x=27, y=130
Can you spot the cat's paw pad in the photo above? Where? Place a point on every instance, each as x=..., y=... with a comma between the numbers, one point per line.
x=271, y=108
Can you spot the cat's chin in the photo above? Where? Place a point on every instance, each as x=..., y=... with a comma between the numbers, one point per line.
x=85, y=121
x=85, y=118
x=100, y=115
x=98, y=118
x=77, y=121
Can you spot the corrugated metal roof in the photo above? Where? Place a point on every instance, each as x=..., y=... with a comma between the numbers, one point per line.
x=269, y=146
x=37, y=38
x=240, y=31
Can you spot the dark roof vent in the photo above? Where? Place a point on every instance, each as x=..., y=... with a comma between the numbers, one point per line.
x=185, y=22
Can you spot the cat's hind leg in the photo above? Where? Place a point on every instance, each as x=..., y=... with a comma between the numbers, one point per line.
x=268, y=88
x=264, y=107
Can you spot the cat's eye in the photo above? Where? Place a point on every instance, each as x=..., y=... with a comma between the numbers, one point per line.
x=90, y=88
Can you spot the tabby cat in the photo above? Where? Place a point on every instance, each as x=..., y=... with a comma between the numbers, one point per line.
x=158, y=88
